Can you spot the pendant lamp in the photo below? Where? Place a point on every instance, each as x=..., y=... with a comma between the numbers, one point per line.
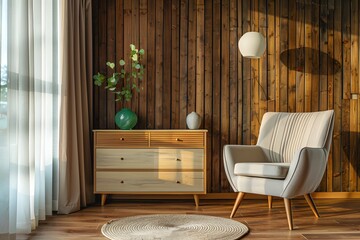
x=252, y=45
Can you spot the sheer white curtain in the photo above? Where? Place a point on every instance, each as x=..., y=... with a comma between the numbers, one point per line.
x=29, y=133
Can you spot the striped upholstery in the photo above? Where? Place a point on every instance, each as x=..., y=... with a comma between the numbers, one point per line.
x=282, y=134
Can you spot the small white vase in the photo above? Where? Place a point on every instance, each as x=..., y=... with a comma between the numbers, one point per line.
x=193, y=120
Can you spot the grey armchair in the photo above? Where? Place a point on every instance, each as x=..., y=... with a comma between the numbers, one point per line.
x=289, y=159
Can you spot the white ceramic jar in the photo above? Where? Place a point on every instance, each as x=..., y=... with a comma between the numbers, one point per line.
x=193, y=120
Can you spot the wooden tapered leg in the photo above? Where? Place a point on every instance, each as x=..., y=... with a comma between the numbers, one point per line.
x=239, y=198
x=312, y=205
x=196, y=199
x=288, y=212
x=270, y=201
x=103, y=199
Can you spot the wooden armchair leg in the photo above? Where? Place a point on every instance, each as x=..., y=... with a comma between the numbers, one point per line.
x=312, y=205
x=289, y=213
x=239, y=198
x=270, y=201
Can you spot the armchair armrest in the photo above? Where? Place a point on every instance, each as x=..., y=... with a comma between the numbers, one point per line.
x=306, y=171
x=233, y=154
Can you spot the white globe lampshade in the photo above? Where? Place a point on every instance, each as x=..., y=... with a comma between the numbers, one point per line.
x=252, y=45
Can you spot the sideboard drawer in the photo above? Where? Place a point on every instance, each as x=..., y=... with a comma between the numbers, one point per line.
x=135, y=182
x=177, y=139
x=122, y=139
x=157, y=158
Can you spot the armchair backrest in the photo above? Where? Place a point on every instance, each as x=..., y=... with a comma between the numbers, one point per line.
x=282, y=134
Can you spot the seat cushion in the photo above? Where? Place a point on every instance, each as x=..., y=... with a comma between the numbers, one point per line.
x=263, y=170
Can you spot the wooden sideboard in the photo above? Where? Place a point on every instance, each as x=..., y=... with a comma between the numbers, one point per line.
x=150, y=162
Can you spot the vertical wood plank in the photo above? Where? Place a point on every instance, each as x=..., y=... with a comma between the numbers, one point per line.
x=323, y=76
x=167, y=65
x=346, y=39
x=246, y=81
x=208, y=88
x=271, y=45
x=159, y=64
x=278, y=7
x=323, y=60
x=354, y=152
x=330, y=83
x=284, y=40
x=300, y=56
x=354, y=108
x=292, y=57
x=346, y=36
x=315, y=71
x=224, y=104
x=175, y=81
x=102, y=66
x=345, y=151
x=255, y=121
x=337, y=170
x=191, y=57
x=143, y=44
x=151, y=70
x=308, y=55
x=233, y=71
x=263, y=86
x=239, y=77
x=200, y=58
x=95, y=31
x=354, y=46
x=119, y=36
x=110, y=56
x=184, y=13
x=216, y=96
x=127, y=40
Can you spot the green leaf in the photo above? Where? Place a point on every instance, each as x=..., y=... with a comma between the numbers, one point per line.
x=98, y=79
x=132, y=47
x=113, y=79
x=141, y=51
x=111, y=65
x=134, y=57
x=122, y=62
x=122, y=71
x=137, y=66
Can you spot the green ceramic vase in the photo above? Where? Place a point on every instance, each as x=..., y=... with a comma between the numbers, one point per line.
x=125, y=119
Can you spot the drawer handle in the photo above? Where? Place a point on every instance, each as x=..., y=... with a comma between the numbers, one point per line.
x=122, y=182
x=121, y=158
x=178, y=182
x=122, y=139
x=178, y=159
x=179, y=139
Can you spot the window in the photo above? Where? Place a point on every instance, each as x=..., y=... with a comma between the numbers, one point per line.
x=3, y=65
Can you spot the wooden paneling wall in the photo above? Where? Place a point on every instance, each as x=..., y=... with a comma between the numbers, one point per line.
x=193, y=64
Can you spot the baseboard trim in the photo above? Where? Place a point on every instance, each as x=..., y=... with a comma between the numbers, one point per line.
x=232, y=196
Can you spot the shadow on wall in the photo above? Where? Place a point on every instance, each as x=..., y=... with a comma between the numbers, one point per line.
x=299, y=64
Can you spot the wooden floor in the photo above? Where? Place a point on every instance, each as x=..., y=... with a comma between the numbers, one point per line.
x=340, y=218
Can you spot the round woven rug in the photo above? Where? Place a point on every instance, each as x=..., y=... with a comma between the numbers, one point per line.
x=174, y=226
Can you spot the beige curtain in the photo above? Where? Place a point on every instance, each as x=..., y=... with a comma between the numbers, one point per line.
x=75, y=165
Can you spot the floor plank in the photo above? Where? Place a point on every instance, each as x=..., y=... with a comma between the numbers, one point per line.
x=339, y=218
